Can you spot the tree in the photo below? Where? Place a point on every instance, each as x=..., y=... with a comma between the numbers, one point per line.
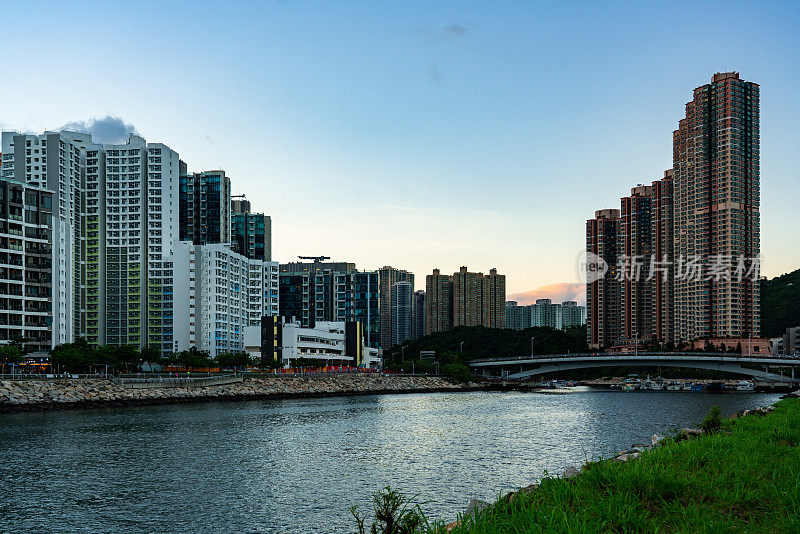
x=152, y=356
x=74, y=356
x=10, y=353
x=193, y=358
x=21, y=344
x=127, y=355
x=233, y=359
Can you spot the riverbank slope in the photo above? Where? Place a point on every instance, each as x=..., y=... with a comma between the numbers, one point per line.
x=744, y=477
x=33, y=395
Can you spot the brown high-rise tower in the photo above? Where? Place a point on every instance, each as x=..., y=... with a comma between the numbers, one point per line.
x=716, y=207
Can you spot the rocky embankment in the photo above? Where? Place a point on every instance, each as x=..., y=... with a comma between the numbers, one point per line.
x=30, y=395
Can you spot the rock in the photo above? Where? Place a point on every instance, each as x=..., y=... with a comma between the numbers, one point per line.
x=655, y=439
x=690, y=432
x=570, y=472
x=475, y=506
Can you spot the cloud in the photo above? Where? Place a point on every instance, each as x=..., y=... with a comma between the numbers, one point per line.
x=556, y=292
x=108, y=129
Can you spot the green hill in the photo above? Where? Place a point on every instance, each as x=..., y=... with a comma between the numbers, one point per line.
x=482, y=342
x=780, y=304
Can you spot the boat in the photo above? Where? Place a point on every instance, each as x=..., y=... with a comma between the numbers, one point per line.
x=745, y=385
x=687, y=386
x=698, y=387
x=628, y=387
x=653, y=385
x=674, y=386
x=715, y=387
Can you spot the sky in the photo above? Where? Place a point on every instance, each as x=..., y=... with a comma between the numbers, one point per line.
x=411, y=134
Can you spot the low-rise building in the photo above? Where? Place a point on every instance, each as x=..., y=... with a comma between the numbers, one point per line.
x=337, y=343
x=791, y=341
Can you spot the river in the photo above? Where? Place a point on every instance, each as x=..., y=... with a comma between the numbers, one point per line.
x=298, y=465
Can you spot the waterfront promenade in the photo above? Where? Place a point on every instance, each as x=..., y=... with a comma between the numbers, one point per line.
x=29, y=395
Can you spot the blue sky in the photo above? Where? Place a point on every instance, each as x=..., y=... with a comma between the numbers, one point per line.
x=413, y=134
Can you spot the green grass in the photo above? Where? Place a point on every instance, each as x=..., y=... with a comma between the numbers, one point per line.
x=743, y=478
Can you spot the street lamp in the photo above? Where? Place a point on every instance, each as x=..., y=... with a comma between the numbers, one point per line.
x=403, y=353
x=531, y=345
x=461, y=349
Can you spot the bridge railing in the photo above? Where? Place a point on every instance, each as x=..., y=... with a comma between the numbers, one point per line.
x=628, y=355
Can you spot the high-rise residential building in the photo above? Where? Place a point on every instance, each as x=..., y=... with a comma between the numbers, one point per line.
x=603, y=325
x=419, y=314
x=572, y=314
x=716, y=207
x=115, y=220
x=388, y=277
x=689, y=244
x=465, y=299
x=26, y=264
x=401, y=316
x=218, y=293
x=546, y=313
x=438, y=302
x=331, y=292
x=518, y=317
x=204, y=206
x=251, y=233
x=663, y=282
x=496, y=285
x=125, y=238
x=356, y=298
x=306, y=290
x=635, y=242
x=54, y=160
x=470, y=298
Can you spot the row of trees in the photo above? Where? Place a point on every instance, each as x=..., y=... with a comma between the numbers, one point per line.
x=83, y=357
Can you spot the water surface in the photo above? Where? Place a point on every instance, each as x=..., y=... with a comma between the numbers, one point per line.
x=297, y=465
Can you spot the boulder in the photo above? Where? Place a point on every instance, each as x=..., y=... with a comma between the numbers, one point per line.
x=570, y=472
x=656, y=439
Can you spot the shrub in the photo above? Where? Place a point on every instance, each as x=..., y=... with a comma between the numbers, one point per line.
x=393, y=514
x=713, y=421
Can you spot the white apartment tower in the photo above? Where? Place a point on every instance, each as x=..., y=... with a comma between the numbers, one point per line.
x=54, y=160
x=225, y=293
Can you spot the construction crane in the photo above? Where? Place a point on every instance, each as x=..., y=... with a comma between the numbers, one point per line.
x=315, y=259
x=239, y=196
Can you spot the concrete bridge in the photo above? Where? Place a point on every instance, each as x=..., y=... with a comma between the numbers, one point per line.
x=520, y=367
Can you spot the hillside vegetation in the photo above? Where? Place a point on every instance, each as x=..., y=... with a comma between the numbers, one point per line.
x=780, y=304
x=482, y=342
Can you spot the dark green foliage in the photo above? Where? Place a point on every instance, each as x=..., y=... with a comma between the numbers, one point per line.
x=233, y=359
x=393, y=514
x=81, y=357
x=712, y=421
x=482, y=342
x=456, y=372
x=780, y=304
x=193, y=359
x=10, y=354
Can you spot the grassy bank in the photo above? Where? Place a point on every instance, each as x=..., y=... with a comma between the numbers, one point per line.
x=742, y=476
